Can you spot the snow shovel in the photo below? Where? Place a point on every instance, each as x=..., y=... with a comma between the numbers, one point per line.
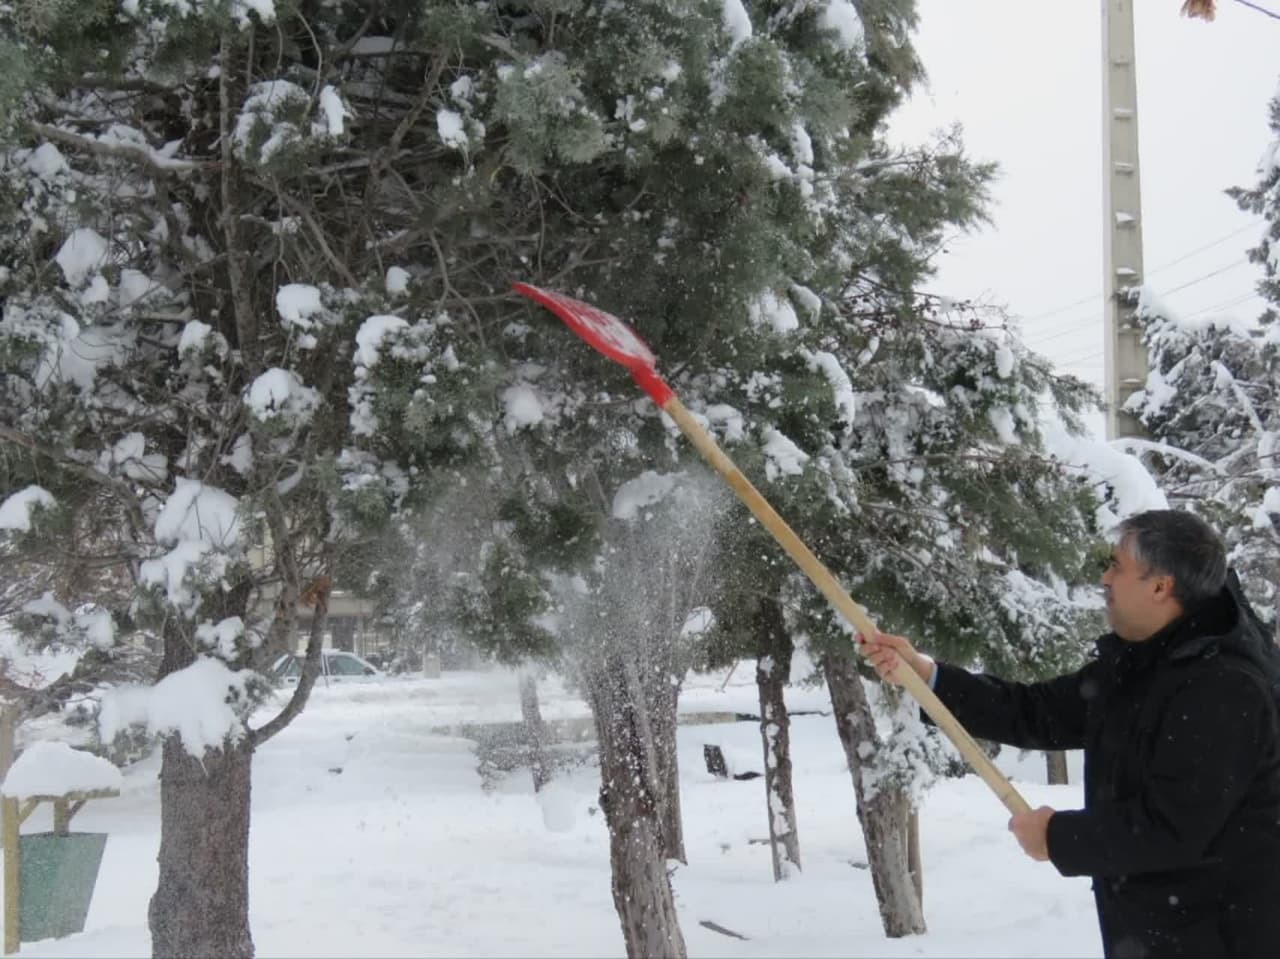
x=612, y=337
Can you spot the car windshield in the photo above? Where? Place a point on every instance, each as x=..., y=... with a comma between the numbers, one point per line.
x=343, y=665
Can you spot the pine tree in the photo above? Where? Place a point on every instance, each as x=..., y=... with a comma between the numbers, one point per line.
x=201, y=278
x=1263, y=199
x=1211, y=409
x=747, y=219
x=258, y=261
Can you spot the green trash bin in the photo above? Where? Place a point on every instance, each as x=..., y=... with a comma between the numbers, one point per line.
x=58, y=874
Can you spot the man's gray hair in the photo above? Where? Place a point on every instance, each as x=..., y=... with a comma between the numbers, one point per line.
x=1174, y=543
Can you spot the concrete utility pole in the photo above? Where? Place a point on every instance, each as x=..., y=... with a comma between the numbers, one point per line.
x=1126, y=356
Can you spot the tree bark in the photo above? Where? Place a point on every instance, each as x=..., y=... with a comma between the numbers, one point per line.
x=629, y=793
x=774, y=649
x=914, y=861
x=535, y=731
x=661, y=678
x=883, y=812
x=1056, y=767
x=343, y=629
x=664, y=723
x=201, y=903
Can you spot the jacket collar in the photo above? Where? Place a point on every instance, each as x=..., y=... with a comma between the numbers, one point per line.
x=1197, y=633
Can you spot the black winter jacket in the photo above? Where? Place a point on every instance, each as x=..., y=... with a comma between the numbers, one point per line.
x=1181, y=825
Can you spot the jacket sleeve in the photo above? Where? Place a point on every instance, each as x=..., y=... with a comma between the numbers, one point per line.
x=1047, y=715
x=1208, y=747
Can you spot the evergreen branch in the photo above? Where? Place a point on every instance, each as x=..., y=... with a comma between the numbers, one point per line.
x=356, y=163
x=120, y=151
x=1243, y=397
x=990, y=459
x=501, y=44
x=127, y=496
x=1229, y=459
x=131, y=84
x=1247, y=404
x=1133, y=444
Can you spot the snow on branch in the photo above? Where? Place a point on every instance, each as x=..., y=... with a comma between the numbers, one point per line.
x=1132, y=444
x=16, y=510
x=153, y=159
x=201, y=704
x=127, y=496
x=1226, y=376
x=55, y=769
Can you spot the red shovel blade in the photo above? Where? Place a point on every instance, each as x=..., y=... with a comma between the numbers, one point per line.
x=608, y=334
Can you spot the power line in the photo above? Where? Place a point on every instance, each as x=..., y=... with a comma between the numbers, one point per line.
x=1207, y=246
x=1163, y=266
x=1090, y=353
x=1062, y=309
x=1203, y=277
x=1254, y=6
x=1199, y=279
x=1225, y=305
x=1093, y=353
x=1058, y=335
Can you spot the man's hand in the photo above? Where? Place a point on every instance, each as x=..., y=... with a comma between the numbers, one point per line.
x=887, y=652
x=1032, y=832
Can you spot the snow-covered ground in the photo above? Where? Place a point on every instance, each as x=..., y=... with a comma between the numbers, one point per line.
x=372, y=836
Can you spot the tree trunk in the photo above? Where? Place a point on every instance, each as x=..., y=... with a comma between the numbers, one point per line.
x=664, y=722
x=201, y=903
x=343, y=629
x=629, y=797
x=914, y=860
x=773, y=668
x=535, y=731
x=882, y=813
x=661, y=679
x=1056, y=767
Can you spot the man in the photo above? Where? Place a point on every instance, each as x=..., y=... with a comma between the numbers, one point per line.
x=1181, y=823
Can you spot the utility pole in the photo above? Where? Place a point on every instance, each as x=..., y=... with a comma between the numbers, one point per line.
x=1126, y=355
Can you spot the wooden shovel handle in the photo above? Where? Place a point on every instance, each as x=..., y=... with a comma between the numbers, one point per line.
x=854, y=613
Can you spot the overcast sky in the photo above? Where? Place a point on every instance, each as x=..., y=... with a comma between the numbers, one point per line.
x=1024, y=78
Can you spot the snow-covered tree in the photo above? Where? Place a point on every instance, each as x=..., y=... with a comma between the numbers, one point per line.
x=1211, y=408
x=255, y=261
x=935, y=502
x=1263, y=199
x=194, y=312
x=769, y=251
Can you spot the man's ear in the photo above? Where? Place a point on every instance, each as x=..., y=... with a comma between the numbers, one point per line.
x=1163, y=588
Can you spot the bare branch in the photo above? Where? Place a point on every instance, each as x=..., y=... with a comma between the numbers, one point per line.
x=310, y=664
x=318, y=235
x=121, y=151
x=375, y=9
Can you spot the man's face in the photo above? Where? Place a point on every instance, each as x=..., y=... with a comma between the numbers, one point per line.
x=1139, y=602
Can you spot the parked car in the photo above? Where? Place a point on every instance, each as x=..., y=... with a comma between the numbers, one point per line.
x=336, y=666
